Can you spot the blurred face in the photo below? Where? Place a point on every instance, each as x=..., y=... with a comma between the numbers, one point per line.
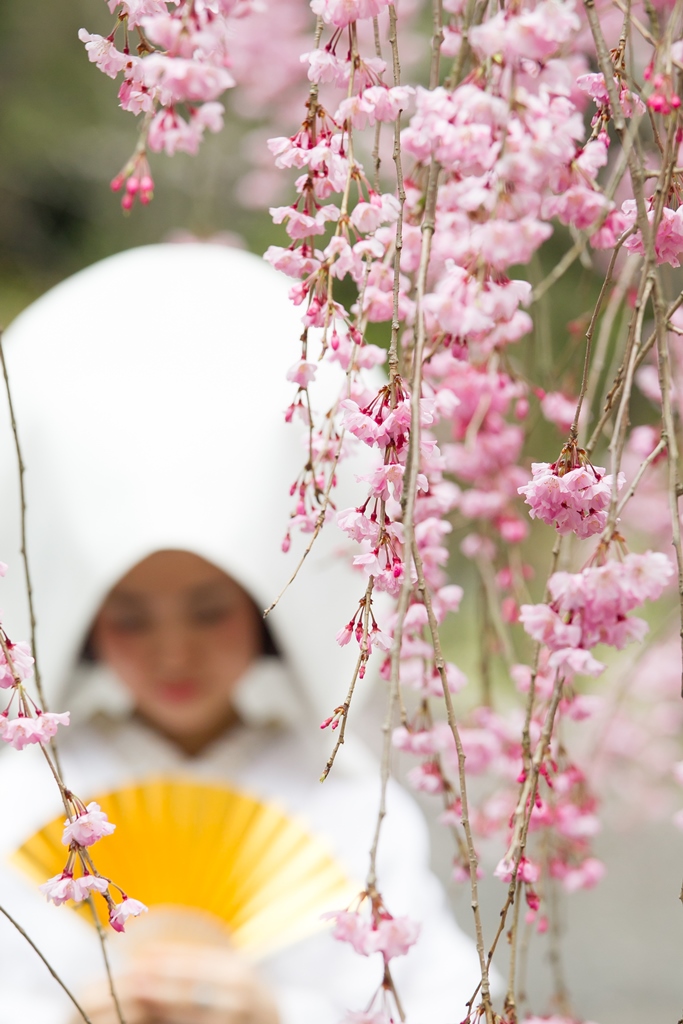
x=179, y=633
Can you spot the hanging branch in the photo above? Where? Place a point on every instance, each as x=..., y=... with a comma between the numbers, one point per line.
x=49, y=966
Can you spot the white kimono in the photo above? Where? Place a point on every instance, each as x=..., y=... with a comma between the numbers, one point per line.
x=315, y=980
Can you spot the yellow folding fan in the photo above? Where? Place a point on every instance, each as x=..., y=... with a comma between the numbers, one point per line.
x=200, y=847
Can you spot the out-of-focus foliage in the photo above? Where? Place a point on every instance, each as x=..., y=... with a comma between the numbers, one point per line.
x=64, y=138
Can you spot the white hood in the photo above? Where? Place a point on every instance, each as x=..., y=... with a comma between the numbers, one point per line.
x=149, y=392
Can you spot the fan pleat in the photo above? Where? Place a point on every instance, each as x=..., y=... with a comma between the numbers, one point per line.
x=197, y=845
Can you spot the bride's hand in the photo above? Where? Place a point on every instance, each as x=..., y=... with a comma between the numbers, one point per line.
x=170, y=983
x=201, y=985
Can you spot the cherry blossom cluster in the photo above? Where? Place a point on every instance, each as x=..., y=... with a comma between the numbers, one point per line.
x=82, y=829
x=573, y=503
x=375, y=931
x=485, y=410
x=570, y=494
x=592, y=607
x=361, y=221
x=381, y=933
x=563, y=816
x=180, y=67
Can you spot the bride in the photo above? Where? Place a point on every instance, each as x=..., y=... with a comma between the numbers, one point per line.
x=149, y=394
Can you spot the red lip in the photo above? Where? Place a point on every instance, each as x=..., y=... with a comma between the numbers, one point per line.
x=177, y=692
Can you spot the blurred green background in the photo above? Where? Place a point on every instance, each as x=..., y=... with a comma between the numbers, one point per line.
x=63, y=140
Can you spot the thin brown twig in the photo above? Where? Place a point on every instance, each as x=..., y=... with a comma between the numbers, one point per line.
x=362, y=658
x=66, y=798
x=409, y=494
x=105, y=956
x=635, y=168
x=440, y=663
x=582, y=241
x=636, y=23
x=669, y=437
x=398, y=243
x=622, y=419
x=573, y=433
x=614, y=305
x=639, y=475
x=376, y=160
x=24, y=547
x=561, y=994
x=464, y=51
x=50, y=968
x=318, y=527
x=617, y=385
x=510, y=999
x=486, y=572
x=522, y=814
x=531, y=696
x=413, y=454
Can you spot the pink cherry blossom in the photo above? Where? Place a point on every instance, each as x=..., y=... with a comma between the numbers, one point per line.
x=342, y=12
x=386, y=103
x=542, y=623
x=559, y=409
x=293, y=262
x=22, y=731
x=584, y=877
x=87, y=827
x=527, y=871
x=301, y=225
x=65, y=887
x=570, y=661
x=179, y=80
x=119, y=914
x=596, y=601
x=424, y=741
x=22, y=660
x=134, y=95
x=574, y=502
x=390, y=936
x=350, y=927
x=594, y=86
x=393, y=936
x=49, y=721
x=103, y=53
x=426, y=778
x=136, y=10
x=291, y=152
x=534, y=35
x=302, y=373
x=669, y=238
x=380, y=209
x=324, y=66
x=173, y=134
